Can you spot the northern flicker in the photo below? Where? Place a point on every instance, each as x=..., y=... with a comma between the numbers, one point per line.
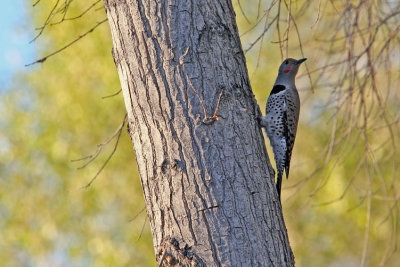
x=282, y=115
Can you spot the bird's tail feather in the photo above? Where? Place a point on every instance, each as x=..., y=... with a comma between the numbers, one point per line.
x=279, y=184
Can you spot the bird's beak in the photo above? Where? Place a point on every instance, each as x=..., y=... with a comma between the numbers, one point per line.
x=298, y=62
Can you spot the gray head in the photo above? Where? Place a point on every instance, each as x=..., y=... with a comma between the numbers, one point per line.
x=289, y=68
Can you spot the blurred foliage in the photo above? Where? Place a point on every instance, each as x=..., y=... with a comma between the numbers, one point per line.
x=53, y=114
x=340, y=203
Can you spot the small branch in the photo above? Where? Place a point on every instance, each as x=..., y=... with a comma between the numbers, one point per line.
x=137, y=214
x=46, y=22
x=288, y=27
x=219, y=100
x=115, y=94
x=254, y=26
x=100, y=146
x=37, y=2
x=206, y=120
x=141, y=231
x=318, y=15
x=241, y=10
x=197, y=94
x=278, y=28
x=92, y=157
x=79, y=16
x=302, y=52
x=214, y=117
x=43, y=59
x=261, y=35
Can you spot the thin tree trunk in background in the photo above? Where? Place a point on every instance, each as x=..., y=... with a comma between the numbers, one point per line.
x=210, y=197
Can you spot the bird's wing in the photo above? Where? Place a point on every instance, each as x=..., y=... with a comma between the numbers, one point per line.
x=291, y=118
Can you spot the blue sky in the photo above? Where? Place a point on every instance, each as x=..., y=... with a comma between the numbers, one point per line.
x=16, y=31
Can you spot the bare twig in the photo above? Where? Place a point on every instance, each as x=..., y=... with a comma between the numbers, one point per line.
x=289, y=15
x=206, y=120
x=119, y=131
x=318, y=15
x=367, y=223
x=115, y=94
x=137, y=214
x=261, y=35
x=41, y=60
x=101, y=146
x=142, y=230
x=37, y=2
x=78, y=16
x=278, y=28
x=46, y=22
x=242, y=11
x=214, y=117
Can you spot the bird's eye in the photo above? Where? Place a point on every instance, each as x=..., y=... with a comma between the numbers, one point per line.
x=287, y=62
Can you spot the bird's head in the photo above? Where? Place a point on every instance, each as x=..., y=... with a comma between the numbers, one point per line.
x=290, y=66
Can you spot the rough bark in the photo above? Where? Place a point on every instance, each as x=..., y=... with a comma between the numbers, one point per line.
x=209, y=192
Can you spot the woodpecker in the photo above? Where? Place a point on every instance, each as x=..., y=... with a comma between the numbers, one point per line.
x=282, y=116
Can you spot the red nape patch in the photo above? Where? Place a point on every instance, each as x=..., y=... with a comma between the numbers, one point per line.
x=288, y=69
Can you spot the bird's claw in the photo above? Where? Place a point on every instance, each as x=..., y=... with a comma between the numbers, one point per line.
x=262, y=121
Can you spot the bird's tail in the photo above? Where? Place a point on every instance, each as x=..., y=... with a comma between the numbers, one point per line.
x=279, y=183
x=279, y=148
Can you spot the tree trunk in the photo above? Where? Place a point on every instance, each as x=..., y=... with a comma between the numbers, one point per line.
x=209, y=192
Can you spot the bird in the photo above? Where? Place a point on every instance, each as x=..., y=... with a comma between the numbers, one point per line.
x=282, y=116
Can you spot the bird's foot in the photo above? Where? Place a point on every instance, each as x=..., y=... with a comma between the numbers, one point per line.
x=262, y=121
x=271, y=170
